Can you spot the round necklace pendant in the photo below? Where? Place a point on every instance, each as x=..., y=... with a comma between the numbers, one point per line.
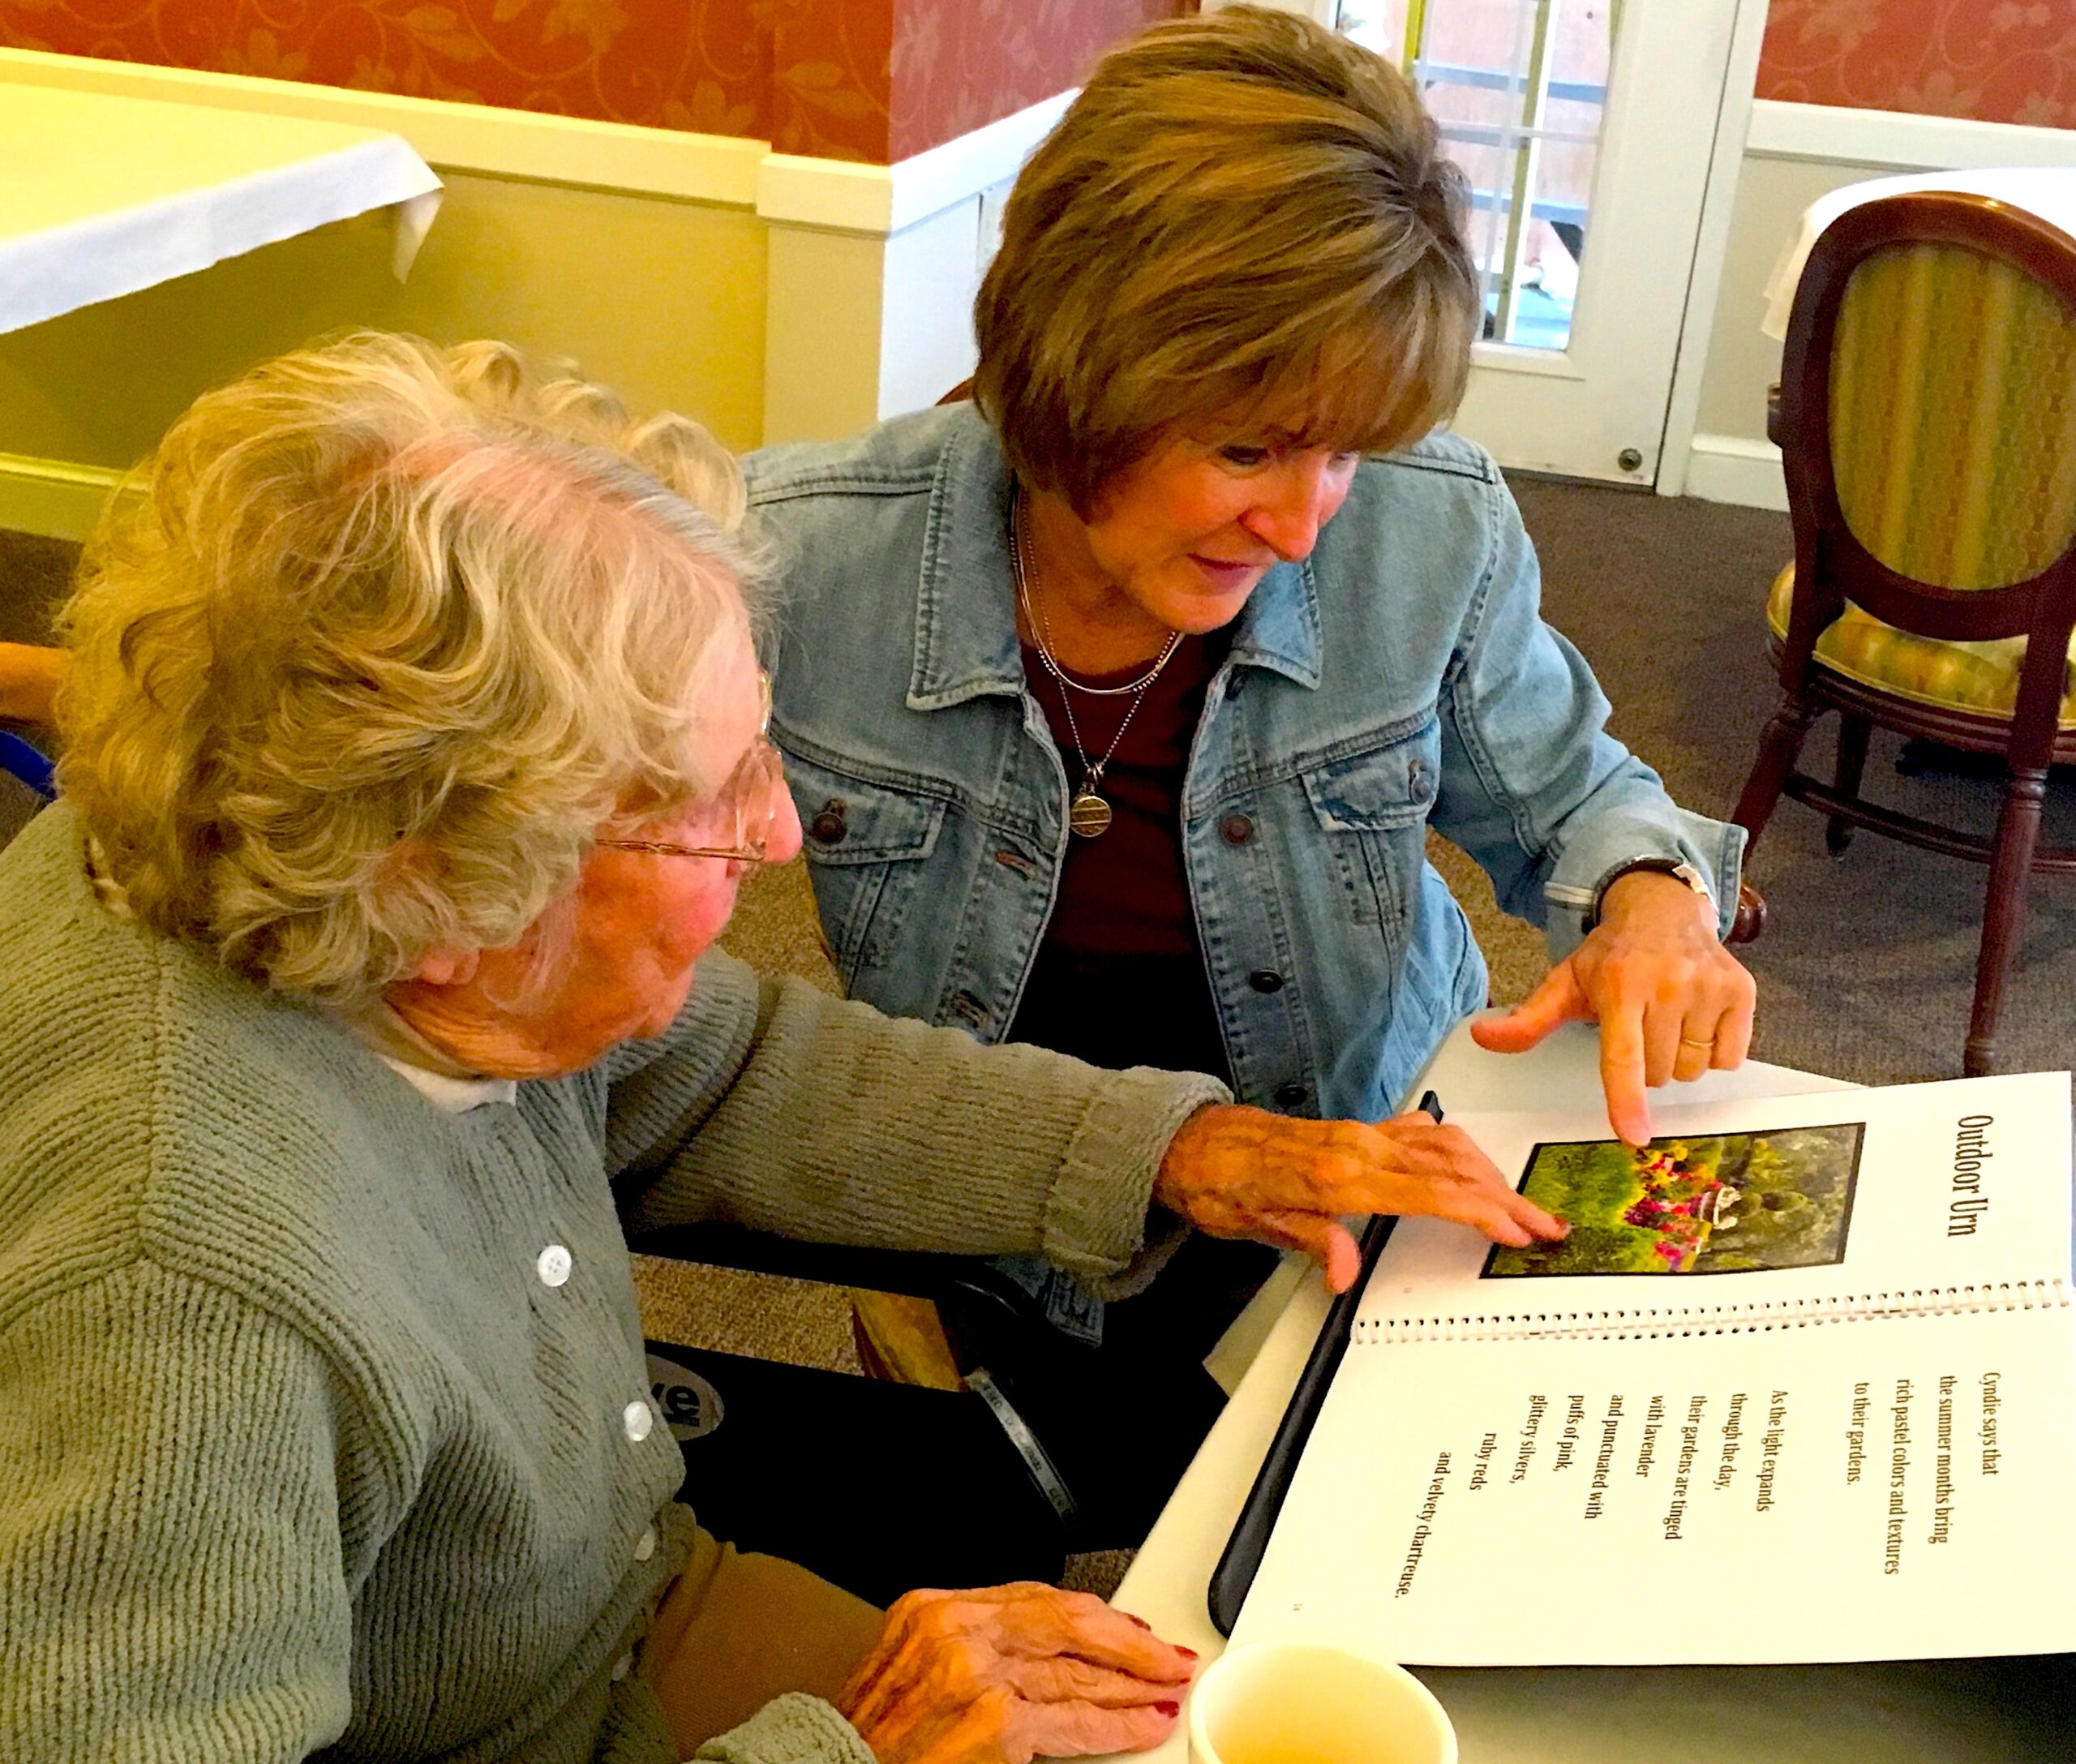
x=1088, y=814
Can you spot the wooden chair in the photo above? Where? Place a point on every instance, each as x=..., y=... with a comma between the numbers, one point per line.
x=1926, y=420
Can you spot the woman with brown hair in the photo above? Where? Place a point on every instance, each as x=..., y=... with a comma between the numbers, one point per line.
x=1118, y=702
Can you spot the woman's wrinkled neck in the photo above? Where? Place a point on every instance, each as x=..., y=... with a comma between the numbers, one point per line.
x=449, y=1030
x=1089, y=624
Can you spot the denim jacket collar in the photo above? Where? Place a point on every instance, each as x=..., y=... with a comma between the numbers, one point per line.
x=965, y=647
x=1280, y=627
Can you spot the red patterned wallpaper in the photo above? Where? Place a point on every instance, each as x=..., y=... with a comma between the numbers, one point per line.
x=959, y=64
x=1998, y=61
x=869, y=79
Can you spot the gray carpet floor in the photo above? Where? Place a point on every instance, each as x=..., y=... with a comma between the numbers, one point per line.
x=1866, y=966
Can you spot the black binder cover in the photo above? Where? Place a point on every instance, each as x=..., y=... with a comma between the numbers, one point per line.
x=1235, y=1572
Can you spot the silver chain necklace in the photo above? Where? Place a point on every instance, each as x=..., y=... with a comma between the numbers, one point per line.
x=1088, y=814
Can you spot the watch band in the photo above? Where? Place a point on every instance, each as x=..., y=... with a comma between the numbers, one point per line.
x=1678, y=869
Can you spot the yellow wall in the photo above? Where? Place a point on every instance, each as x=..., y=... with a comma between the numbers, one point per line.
x=773, y=297
x=662, y=298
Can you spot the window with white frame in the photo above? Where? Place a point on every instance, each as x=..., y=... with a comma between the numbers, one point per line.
x=1519, y=88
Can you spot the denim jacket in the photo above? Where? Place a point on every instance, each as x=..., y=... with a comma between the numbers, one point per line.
x=1398, y=677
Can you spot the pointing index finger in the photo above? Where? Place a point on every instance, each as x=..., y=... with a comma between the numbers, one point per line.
x=1622, y=1074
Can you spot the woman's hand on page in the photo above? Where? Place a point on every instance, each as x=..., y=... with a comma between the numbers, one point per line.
x=1238, y=1172
x=1005, y=1674
x=1671, y=1001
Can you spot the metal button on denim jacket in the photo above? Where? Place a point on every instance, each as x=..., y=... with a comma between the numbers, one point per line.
x=1401, y=677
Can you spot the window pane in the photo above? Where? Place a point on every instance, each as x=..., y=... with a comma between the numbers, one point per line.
x=1519, y=88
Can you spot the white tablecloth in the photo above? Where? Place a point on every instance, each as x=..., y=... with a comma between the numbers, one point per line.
x=101, y=195
x=2048, y=191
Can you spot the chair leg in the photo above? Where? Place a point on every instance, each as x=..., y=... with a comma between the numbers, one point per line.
x=2004, y=912
x=1853, y=732
x=1779, y=747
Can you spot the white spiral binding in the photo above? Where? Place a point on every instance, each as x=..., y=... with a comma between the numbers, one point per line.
x=1753, y=1318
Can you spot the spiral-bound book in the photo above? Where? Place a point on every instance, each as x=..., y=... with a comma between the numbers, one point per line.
x=1800, y=1385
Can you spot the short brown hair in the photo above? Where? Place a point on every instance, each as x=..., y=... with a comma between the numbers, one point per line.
x=1240, y=212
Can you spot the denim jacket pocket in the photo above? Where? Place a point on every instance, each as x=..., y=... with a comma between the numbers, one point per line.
x=1374, y=804
x=865, y=841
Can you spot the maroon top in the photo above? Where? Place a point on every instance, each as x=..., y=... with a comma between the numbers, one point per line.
x=1119, y=980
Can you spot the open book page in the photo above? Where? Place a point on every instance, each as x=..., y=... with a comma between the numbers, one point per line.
x=1896, y=1199
x=1889, y=1488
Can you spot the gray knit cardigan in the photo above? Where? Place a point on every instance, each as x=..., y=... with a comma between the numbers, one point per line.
x=301, y=1452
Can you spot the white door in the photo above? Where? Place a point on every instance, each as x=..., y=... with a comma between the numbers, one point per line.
x=1588, y=128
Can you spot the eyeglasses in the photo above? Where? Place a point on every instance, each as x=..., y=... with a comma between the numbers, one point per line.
x=747, y=803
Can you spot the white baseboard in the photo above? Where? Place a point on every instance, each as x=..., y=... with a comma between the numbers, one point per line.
x=1728, y=468
x=51, y=498
x=1896, y=140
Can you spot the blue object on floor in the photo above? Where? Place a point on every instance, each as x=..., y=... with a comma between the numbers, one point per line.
x=18, y=758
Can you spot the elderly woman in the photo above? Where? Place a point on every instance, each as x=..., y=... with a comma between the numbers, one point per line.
x=1118, y=703
x=353, y=995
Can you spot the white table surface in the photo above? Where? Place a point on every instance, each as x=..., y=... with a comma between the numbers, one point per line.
x=1939, y=1712
x=2048, y=191
x=101, y=195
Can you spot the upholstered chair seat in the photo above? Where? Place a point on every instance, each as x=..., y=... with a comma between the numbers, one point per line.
x=1981, y=678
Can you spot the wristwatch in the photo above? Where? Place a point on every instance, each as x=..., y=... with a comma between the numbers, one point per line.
x=1676, y=868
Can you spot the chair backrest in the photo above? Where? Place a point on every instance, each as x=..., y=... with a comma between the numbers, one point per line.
x=1928, y=432
x=1953, y=405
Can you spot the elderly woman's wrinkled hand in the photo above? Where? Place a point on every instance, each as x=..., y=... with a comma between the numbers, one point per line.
x=1671, y=1001
x=1238, y=1172
x=1005, y=1674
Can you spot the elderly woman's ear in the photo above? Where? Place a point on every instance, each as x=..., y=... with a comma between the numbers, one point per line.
x=446, y=967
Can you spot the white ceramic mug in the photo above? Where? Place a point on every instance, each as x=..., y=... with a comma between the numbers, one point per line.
x=1313, y=1702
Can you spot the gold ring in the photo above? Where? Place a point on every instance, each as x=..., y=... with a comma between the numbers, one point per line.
x=1688, y=1040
